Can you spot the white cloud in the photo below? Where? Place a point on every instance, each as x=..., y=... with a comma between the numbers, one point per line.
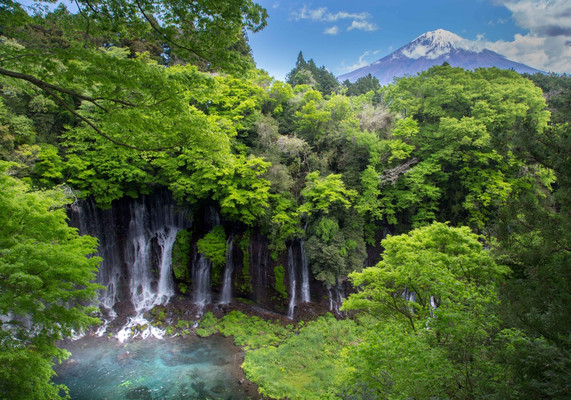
x=499, y=21
x=334, y=30
x=542, y=17
x=363, y=26
x=306, y=13
x=550, y=54
x=346, y=15
x=360, y=21
x=546, y=46
x=362, y=62
x=322, y=15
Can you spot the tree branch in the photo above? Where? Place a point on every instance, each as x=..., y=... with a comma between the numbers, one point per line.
x=48, y=86
x=393, y=174
x=51, y=89
x=95, y=128
x=165, y=36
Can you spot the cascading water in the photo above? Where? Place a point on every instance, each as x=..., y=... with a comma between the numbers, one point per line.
x=292, y=282
x=298, y=270
x=226, y=296
x=138, y=257
x=101, y=223
x=201, y=280
x=152, y=231
x=135, y=242
x=336, y=297
x=305, y=293
x=409, y=295
x=165, y=287
x=201, y=266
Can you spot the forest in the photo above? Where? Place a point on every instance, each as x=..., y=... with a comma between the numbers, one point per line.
x=439, y=203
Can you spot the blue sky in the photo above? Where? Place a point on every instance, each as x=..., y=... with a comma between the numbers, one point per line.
x=344, y=35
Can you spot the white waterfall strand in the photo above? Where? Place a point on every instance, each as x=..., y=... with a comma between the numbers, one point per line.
x=305, y=293
x=226, y=296
x=292, y=282
x=201, y=281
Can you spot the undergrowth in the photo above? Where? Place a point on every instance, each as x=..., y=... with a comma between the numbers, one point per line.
x=294, y=362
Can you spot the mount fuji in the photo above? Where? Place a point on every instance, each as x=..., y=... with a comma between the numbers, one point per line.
x=433, y=48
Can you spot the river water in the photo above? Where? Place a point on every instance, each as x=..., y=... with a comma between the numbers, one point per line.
x=153, y=369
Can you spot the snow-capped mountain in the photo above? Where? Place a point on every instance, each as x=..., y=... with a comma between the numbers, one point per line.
x=433, y=48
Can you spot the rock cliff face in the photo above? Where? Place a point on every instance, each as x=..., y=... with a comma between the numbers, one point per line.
x=434, y=48
x=137, y=239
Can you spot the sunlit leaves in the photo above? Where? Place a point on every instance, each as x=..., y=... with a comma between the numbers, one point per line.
x=322, y=194
x=435, y=289
x=46, y=272
x=461, y=124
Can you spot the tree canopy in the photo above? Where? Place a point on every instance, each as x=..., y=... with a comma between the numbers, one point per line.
x=435, y=290
x=46, y=273
x=307, y=73
x=105, y=63
x=121, y=98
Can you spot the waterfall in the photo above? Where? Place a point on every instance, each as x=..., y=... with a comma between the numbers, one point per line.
x=305, y=294
x=165, y=287
x=136, y=238
x=93, y=221
x=152, y=232
x=408, y=295
x=151, y=235
x=226, y=296
x=292, y=282
x=201, y=280
x=201, y=266
x=138, y=258
x=336, y=297
x=298, y=268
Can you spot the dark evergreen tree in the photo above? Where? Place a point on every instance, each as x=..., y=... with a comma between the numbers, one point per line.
x=557, y=91
x=307, y=73
x=362, y=85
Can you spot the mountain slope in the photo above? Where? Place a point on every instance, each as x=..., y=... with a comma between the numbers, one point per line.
x=433, y=48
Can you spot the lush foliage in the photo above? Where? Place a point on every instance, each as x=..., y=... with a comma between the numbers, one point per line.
x=214, y=247
x=307, y=73
x=181, y=259
x=305, y=365
x=463, y=148
x=434, y=296
x=279, y=274
x=127, y=97
x=248, y=331
x=45, y=275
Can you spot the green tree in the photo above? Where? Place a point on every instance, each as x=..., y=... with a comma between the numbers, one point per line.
x=463, y=143
x=557, y=92
x=307, y=73
x=81, y=62
x=45, y=275
x=335, y=244
x=435, y=290
x=534, y=240
x=364, y=84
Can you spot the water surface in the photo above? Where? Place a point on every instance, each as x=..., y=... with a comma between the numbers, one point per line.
x=153, y=369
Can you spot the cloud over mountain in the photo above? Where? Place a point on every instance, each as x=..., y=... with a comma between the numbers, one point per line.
x=433, y=48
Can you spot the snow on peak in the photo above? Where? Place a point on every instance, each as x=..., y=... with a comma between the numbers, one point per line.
x=431, y=44
x=439, y=37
